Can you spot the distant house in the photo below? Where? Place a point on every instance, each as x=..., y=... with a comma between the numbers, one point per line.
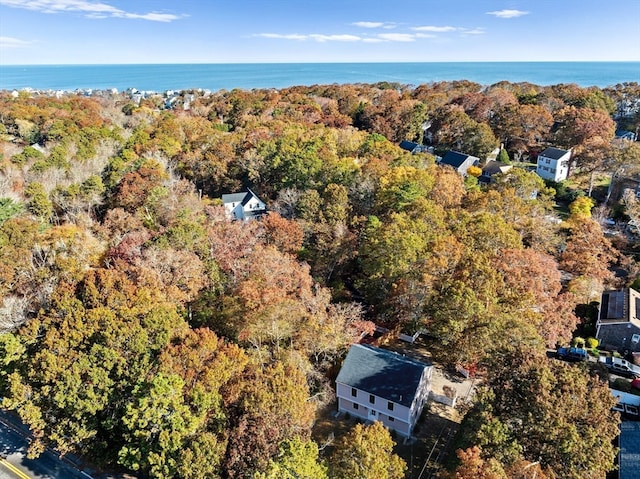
x=492, y=168
x=618, y=325
x=553, y=164
x=459, y=161
x=414, y=148
x=243, y=206
x=380, y=385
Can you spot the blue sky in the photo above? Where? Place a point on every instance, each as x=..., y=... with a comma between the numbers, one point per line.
x=253, y=31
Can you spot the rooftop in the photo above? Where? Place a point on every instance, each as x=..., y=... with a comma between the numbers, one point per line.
x=629, y=461
x=383, y=373
x=553, y=153
x=455, y=158
x=619, y=306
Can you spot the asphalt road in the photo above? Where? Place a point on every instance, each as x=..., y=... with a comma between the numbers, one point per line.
x=15, y=465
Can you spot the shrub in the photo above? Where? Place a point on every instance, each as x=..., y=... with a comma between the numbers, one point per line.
x=578, y=342
x=592, y=343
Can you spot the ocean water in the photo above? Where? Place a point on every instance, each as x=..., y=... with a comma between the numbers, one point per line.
x=271, y=75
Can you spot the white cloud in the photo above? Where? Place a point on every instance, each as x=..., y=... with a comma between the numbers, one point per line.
x=313, y=36
x=334, y=38
x=434, y=29
x=369, y=24
x=384, y=25
x=95, y=10
x=10, y=42
x=474, y=31
x=508, y=13
x=397, y=37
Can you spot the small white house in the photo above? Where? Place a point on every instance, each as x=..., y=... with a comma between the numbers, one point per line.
x=553, y=164
x=243, y=206
x=379, y=385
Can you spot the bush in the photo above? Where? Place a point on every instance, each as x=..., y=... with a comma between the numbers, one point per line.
x=577, y=342
x=592, y=343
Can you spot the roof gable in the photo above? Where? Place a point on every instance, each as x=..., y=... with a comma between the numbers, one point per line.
x=234, y=197
x=408, y=145
x=455, y=159
x=553, y=153
x=382, y=373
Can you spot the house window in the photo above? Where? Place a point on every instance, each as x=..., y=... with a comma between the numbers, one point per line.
x=547, y=161
x=356, y=406
x=354, y=392
x=391, y=419
x=390, y=406
x=372, y=399
x=553, y=170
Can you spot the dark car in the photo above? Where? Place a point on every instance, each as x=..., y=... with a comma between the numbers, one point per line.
x=572, y=354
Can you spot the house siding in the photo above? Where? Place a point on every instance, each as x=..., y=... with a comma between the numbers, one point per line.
x=402, y=427
x=404, y=418
x=421, y=396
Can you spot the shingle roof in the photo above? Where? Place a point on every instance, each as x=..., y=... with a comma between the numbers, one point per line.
x=243, y=197
x=383, y=373
x=629, y=460
x=234, y=197
x=454, y=159
x=553, y=153
x=408, y=145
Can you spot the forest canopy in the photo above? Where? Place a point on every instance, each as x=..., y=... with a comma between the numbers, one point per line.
x=143, y=328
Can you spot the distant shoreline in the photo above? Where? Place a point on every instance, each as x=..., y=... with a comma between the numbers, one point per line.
x=227, y=76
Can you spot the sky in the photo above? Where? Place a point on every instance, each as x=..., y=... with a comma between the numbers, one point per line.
x=38, y=32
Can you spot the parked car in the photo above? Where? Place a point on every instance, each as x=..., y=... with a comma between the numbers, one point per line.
x=620, y=366
x=572, y=354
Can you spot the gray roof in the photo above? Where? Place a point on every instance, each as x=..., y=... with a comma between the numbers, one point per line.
x=629, y=460
x=553, y=153
x=382, y=373
x=456, y=159
x=243, y=197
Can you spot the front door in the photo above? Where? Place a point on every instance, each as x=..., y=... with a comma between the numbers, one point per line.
x=373, y=415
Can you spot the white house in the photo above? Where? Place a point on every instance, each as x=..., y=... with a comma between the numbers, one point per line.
x=553, y=164
x=379, y=385
x=243, y=206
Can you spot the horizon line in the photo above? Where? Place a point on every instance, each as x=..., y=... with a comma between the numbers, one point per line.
x=311, y=63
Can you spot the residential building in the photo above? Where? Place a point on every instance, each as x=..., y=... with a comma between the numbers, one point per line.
x=379, y=385
x=618, y=325
x=493, y=167
x=459, y=161
x=414, y=148
x=243, y=206
x=629, y=455
x=553, y=164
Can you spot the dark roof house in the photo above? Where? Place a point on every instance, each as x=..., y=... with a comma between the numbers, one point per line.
x=492, y=168
x=415, y=147
x=459, y=161
x=381, y=385
x=618, y=325
x=379, y=371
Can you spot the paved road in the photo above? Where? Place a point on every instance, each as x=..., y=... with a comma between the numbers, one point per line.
x=15, y=465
